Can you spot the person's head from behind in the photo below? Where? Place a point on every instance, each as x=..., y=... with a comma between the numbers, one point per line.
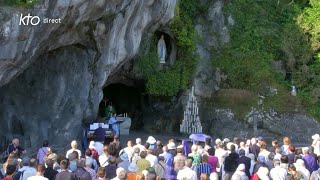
x=140, y=176
x=10, y=169
x=204, y=159
x=74, y=144
x=165, y=148
x=151, y=176
x=188, y=162
x=25, y=161
x=208, y=141
x=204, y=176
x=45, y=143
x=284, y=159
x=105, y=150
x=88, y=153
x=89, y=162
x=276, y=163
x=121, y=173
x=194, y=148
x=49, y=163
x=136, y=150
x=33, y=162
x=211, y=152
x=138, y=141
x=41, y=168
x=112, y=160
x=143, y=154
x=214, y=176
x=161, y=158
x=232, y=148
x=64, y=164
x=278, y=151
x=101, y=172
x=242, y=152
x=292, y=149
x=15, y=142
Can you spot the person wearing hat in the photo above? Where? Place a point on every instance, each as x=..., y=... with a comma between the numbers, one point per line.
x=316, y=144
x=132, y=169
x=172, y=148
x=125, y=163
x=300, y=166
x=152, y=141
x=240, y=171
x=263, y=173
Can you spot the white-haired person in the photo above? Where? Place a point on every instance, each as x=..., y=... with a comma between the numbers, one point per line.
x=74, y=146
x=139, y=145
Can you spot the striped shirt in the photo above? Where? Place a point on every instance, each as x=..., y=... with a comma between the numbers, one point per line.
x=204, y=168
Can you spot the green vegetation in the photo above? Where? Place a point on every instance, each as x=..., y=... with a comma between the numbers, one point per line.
x=21, y=3
x=170, y=80
x=269, y=31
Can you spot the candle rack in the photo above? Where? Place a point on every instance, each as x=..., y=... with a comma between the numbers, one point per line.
x=191, y=122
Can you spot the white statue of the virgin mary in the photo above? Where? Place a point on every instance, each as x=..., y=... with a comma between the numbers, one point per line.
x=162, y=50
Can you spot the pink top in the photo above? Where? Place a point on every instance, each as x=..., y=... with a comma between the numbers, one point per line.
x=213, y=161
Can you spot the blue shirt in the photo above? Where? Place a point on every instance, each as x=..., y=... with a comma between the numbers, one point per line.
x=168, y=159
x=204, y=168
x=310, y=163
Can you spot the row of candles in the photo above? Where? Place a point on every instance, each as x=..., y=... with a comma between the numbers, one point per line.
x=191, y=122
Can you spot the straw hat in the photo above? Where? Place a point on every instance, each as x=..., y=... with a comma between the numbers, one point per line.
x=171, y=145
x=124, y=157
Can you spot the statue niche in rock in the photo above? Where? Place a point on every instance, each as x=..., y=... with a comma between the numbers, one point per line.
x=162, y=50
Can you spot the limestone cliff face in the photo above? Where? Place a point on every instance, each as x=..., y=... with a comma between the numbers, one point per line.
x=52, y=75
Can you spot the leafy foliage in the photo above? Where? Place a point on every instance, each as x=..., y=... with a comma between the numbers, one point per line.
x=268, y=31
x=23, y=3
x=168, y=82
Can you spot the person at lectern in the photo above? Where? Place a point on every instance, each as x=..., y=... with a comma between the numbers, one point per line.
x=113, y=122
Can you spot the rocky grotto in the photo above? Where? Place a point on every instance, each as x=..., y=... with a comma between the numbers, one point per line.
x=53, y=76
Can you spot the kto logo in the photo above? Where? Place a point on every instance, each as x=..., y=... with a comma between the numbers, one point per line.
x=25, y=20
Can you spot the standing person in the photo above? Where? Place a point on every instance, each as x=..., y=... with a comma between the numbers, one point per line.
x=133, y=168
x=196, y=157
x=10, y=170
x=31, y=171
x=15, y=147
x=111, y=168
x=151, y=158
x=213, y=160
x=275, y=145
x=103, y=158
x=204, y=167
x=39, y=174
x=187, y=172
x=161, y=167
x=230, y=163
x=240, y=172
x=49, y=172
x=300, y=166
x=142, y=163
x=139, y=145
x=244, y=160
x=316, y=144
x=129, y=149
x=42, y=152
x=100, y=133
x=285, y=146
x=168, y=159
x=74, y=146
x=109, y=110
x=179, y=159
x=88, y=168
x=158, y=150
x=65, y=174
x=254, y=148
x=80, y=172
x=309, y=160
x=125, y=163
x=113, y=122
x=278, y=172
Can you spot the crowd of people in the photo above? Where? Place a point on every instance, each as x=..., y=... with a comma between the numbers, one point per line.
x=154, y=160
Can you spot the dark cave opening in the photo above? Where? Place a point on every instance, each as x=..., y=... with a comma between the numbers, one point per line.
x=125, y=99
